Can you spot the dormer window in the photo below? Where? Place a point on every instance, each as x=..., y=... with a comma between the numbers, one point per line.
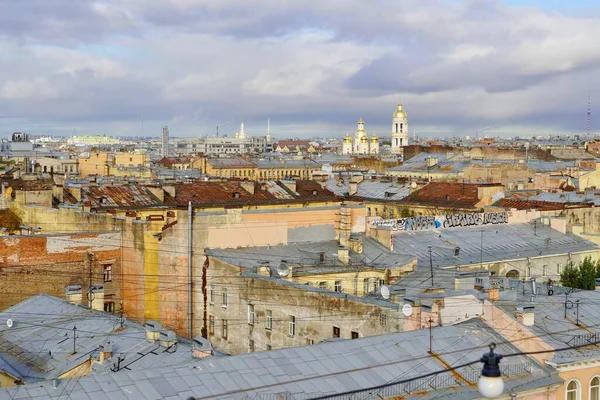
x=236, y=195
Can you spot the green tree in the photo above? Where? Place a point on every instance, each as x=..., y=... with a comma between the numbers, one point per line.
x=587, y=274
x=582, y=276
x=569, y=277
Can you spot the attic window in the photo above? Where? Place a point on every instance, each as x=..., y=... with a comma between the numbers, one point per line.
x=456, y=251
x=389, y=194
x=314, y=192
x=236, y=195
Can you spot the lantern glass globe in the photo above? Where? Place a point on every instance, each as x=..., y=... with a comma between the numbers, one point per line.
x=490, y=387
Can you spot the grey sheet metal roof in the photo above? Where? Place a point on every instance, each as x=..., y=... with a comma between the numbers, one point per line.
x=500, y=242
x=371, y=189
x=550, y=322
x=300, y=255
x=304, y=372
x=39, y=345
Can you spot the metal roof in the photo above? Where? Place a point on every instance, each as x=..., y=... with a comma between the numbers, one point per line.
x=304, y=372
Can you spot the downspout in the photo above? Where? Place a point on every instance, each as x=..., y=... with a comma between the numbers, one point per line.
x=190, y=280
x=204, y=331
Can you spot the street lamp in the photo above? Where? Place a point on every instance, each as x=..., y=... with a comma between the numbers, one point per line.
x=491, y=383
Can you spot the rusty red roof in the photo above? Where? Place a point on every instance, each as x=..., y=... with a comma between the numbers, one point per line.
x=110, y=197
x=538, y=205
x=446, y=194
x=9, y=220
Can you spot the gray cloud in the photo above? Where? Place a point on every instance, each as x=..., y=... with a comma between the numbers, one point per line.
x=312, y=67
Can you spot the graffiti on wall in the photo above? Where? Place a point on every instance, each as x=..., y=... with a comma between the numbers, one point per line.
x=446, y=221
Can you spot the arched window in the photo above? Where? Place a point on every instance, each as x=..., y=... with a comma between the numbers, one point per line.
x=573, y=391
x=595, y=388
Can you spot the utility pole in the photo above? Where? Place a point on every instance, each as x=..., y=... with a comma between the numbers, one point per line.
x=90, y=257
x=190, y=261
x=431, y=265
x=577, y=308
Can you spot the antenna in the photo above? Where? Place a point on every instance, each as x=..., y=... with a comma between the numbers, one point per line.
x=9, y=323
x=589, y=116
x=384, y=291
x=283, y=269
x=407, y=310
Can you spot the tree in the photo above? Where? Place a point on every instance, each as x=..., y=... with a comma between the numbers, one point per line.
x=570, y=275
x=582, y=276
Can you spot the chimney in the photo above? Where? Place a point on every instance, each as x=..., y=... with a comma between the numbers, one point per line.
x=202, y=347
x=167, y=338
x=170, y=190
x=76, y=192
x=344, y=255
x=321, y=257
x=264, y=269
x=525, y=315
x=74, y=294
x=290, y=184
x=263, y=186
x=157, y=191
x=464, y=281
x=57, y=191
x=356, y=244
x=105, y=352
x=152, y=330
x=248, y=186
x=352, y=188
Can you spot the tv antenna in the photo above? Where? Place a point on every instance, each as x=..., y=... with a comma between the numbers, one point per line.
x=282, y=269
x=10, y=323
x=222, y=125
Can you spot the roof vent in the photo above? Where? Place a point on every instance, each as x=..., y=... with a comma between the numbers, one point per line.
x=167, y=338
x=236, y=195
x=152, y=330
x=202, y=347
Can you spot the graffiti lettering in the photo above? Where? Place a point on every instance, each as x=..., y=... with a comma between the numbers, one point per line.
x=448, y=221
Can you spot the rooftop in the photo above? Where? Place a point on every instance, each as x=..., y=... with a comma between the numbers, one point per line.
x=325, y=368
x=444, y=194
x=113, y=196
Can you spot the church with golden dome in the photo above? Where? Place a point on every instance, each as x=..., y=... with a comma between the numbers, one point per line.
x=361, y=144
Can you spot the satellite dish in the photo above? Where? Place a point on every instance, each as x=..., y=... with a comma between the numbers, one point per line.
x=385, y=292
x=283, y=269
x=407, y=310
x=413, y=185
x=9, y=323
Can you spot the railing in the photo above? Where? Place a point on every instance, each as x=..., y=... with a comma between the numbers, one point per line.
x=582, y=340
x=464, y=377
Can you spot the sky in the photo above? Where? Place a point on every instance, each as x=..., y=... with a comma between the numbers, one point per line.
x=496, y=67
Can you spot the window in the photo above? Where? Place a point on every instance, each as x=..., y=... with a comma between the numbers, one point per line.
x=108, y=273
x=322, y=285
x=292, y=327
x=383, y=320
x=224, y=297
x=336, y=332
x=572, y=391
x=269, y=347
x=338, y=286
x=250, y=314
x=354, y=335
x=211, y=325
x=269, y=319
x=310, y=342
x=224, y=328
x=559, y=268
x=366, y=285
x=545, y=270
x=380, y=283
x=109, y=306
x=251, y=346
x=368, y=211
x=211, y=294
x=595, y=388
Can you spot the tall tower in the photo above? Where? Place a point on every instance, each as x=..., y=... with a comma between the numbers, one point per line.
x=589, y=116
x=165, y=142
x=399, y=130
x=242, y=134
x=268, y=130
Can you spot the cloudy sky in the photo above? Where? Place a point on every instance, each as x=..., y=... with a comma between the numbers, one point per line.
x=312, y=67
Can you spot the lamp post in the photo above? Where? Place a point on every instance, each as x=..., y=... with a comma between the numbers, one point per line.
x=491, y=383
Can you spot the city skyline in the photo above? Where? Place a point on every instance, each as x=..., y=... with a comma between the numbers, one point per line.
x=524, y=67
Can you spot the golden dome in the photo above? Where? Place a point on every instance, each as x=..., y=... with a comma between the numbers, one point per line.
x=374, y=139
x=364, y=139
x=347, y=139
x=400, y=112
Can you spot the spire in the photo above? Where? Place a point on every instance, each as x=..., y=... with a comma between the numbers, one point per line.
x=242, y=132
x=268, y=130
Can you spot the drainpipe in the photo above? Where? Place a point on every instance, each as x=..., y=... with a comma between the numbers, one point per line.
x=190, y=281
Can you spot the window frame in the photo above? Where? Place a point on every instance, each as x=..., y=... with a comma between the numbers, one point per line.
x=251, y=314
x=224, y=329
x=211, y=325
x=269, y=314
x=224, y=298
x=339, y=286
x=211, y=294
x=577, y=389
x=597, y=386
x=107, y=268
x=292, y=326
x=337, y=332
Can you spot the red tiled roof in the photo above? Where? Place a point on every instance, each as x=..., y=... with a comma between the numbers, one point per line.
x=537, y=205
x=293, y=143
x=225, y=193
x=446, y=194
x=169, y=161
x=107, y=197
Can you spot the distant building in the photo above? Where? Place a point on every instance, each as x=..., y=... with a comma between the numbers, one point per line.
x=361, y=143
x=240, y=144
x=165, y=142
x=294, y=146
x=399, y=130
